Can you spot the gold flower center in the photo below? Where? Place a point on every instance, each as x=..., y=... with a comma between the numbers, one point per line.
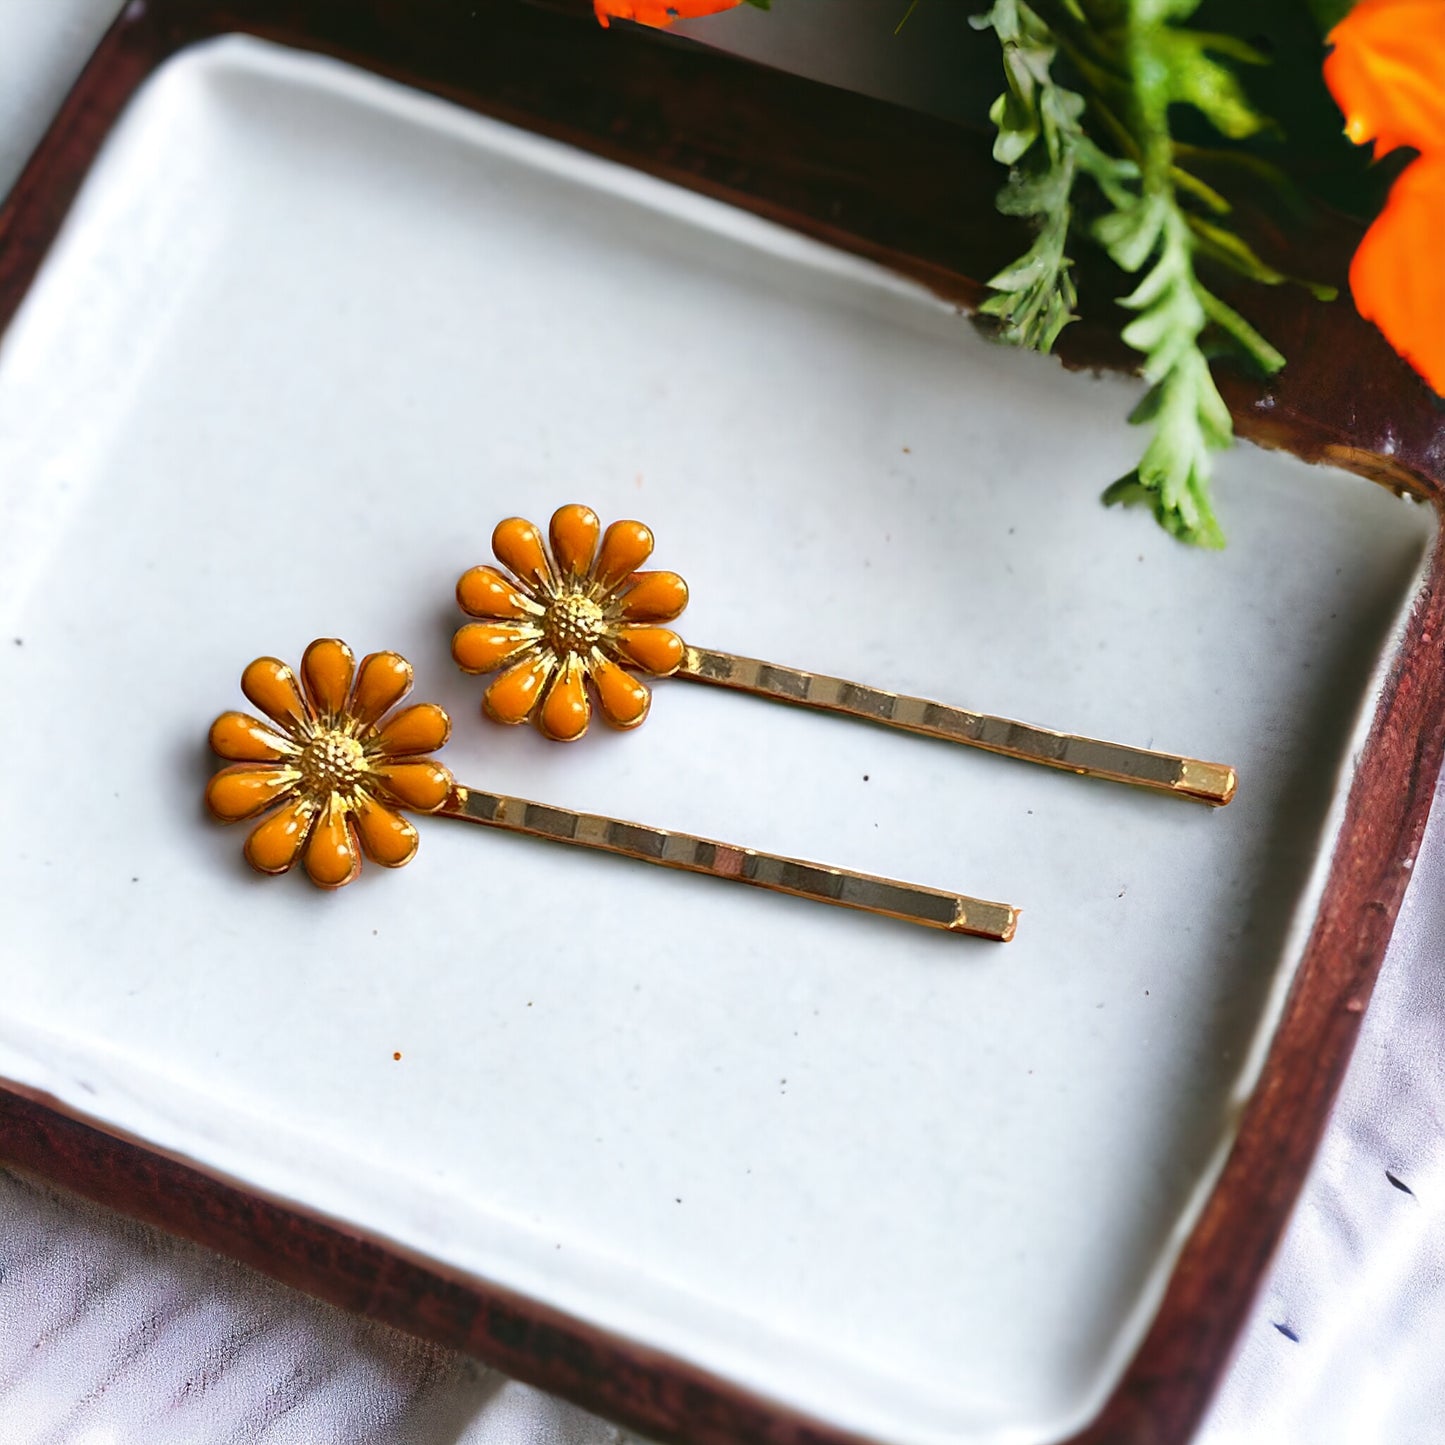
x=332, y=762
x=573, y=623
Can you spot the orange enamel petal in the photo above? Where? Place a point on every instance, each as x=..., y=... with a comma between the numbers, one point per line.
x=382, y=680
x=511, y=698
x=657, y=13
x=332, y=856
x=484, y=592
x=575, y=530
x=565, y=711
x=272, y=687
x=518, y=544
x=424, y=786
x=625, y=547
x=654, y=597
x=422, y=728
x=326, y=672
x=243, y=790
x=653, y=649
x=486, y=646
x=1387, y=73
x=1397, y=277
x=275, y=844
x=244, y=739
x=386, y=837
x=624, y=699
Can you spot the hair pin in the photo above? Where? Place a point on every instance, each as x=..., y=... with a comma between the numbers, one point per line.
x=581, y=612
x=332, y=772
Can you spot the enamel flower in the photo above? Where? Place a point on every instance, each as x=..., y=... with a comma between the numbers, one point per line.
x=562, y=624
x=330, y=769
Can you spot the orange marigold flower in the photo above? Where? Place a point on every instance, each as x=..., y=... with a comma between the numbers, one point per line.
x=332, y=770
x=658, y=13
x=1387, y=72
x=561, y=621
x=1397, y=277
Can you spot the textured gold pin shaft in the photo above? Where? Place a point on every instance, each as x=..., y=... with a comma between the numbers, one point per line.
x=928, y=907
x=1184, y=777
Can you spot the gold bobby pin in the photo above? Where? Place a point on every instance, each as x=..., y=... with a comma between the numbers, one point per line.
x=586, y=613
x=329, y=774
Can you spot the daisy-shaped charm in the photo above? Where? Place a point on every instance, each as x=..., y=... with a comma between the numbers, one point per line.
x=564, y=624
x=330, y=769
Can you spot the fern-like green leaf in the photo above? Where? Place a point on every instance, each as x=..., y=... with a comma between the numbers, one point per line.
x=1135, y=59
x=1038, y=135
x=1153, y=62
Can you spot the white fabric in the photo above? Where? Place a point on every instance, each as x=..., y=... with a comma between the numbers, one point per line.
x=1344, y=1347
x=114, y=1334
x=111, y=1334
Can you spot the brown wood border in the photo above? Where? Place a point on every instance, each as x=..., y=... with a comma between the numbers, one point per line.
x=660, y=1396
x=904, y=190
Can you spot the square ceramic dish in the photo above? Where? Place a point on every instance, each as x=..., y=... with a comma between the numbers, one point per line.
x=724, y=1164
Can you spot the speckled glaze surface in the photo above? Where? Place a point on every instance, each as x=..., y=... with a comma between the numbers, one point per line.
x=304, y=339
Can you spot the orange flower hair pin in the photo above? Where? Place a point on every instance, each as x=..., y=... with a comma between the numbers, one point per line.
x=583, y=615
x=332, y=771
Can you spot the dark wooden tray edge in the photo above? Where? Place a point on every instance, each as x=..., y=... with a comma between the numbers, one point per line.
x=660, y=1395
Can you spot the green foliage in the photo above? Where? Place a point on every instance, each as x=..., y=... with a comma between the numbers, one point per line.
x=907, y=15
x=1329, y=13
x=1183, y=405
x=1150, y=64
x=1135, y=59
x=1040, y=138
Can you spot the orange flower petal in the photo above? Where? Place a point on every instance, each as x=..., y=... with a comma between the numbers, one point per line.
x=518, y=544
x=422, y=728
x=1387, y=72
x=575, y=530
x=653, y=649
x=654, y=597
x=1397, y=277
x=511, y=698
x=382, y=680
x=243, y=790
x=386, y=837
x=484, y=592
x=486, y=646
x=657, y=13
x=624, y=699
x=326, y=672
x=423, y=785
x=625, y=547
x=332, y=857
x=275, y=844
x=245, y=739
x=271, y=686
x=565, y=711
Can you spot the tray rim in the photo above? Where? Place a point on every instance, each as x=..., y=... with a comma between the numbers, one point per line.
x=638, y=102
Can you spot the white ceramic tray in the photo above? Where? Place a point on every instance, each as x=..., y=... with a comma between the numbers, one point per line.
x=305, y=337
